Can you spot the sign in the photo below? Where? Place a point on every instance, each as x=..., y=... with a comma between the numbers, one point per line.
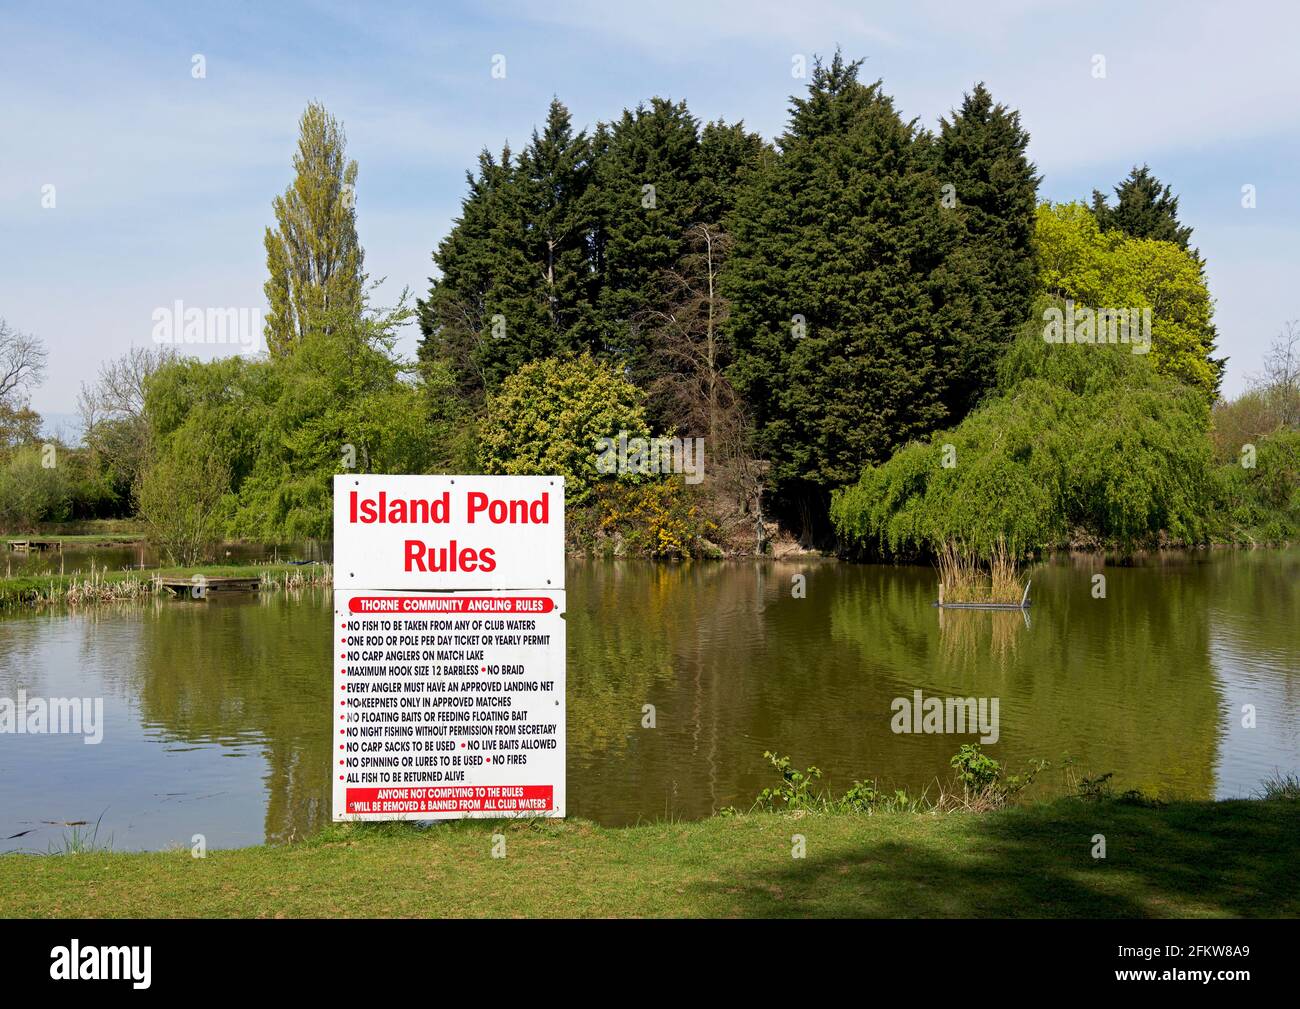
x=449, y=532
x=449, y=683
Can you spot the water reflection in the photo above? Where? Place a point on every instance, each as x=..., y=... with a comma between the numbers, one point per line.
x=218, y=712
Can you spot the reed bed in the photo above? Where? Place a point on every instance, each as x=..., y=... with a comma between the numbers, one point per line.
x=965, y=577
x=105, y=585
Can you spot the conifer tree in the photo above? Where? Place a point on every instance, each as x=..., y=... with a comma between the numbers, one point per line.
x=646, y=180
x=980, y=153
x=1144, y=208
x=455, y=318
x=844, y=300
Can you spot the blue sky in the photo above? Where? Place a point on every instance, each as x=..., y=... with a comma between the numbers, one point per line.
x=164, y=182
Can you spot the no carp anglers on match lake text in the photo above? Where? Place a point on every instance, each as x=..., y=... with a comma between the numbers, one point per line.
x=449, y=686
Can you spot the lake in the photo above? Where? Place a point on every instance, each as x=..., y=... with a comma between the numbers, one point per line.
x=216, y=714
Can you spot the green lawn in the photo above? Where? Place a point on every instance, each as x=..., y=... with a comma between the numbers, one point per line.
x=1238, y=858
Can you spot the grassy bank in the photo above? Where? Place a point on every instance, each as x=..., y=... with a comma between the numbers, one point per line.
x=1187, y=859
x=104, y=585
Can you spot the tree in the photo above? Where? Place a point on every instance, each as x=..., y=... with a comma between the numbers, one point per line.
x=179, y=496
x=337, y=402
x=691, y=392
x=19, y=425
x=1111, y=270
x=1144, y=208
x=455, y=319
x=115, y=429
x=22, y=364
x=847, y=301
x=1279, y=383
x=313, y=256
x=981, y=153
x=728, y=157
x=31, y=491
x=646, y=178
x=543, y=289
x=1080, y=440
x=685, y=325
x=549, y=415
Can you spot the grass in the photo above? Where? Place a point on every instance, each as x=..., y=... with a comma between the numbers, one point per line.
x=104, y=585
x=964, y=578
x=1280, y=786
x=1183, y=859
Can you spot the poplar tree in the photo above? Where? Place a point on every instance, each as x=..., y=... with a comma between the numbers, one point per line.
x=313, y=256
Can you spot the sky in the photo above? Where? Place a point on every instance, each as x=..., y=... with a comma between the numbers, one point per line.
x=163, y=179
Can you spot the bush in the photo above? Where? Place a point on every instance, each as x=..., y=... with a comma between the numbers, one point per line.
x=1261, y=502
x=179, y=494
x=547, y=417
x=30, y=492
x=656, y=518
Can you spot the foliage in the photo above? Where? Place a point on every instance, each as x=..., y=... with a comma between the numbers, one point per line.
x=548, y=416
x=179, y=497
x=31, y=492
x=115, y=429
x=313, y=256
x=981, y=153
x=796, y=790
x=1143, y=209
x=281, y=428
x=1083, y=438
x=653, y=518
x=855, y=301
x=558, y=248
x=1261, y=502
x=1111, y=270
x=517, y=283
x=337, y=403
x=983, y=779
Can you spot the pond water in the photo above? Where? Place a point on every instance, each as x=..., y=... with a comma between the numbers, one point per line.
x=216, y=714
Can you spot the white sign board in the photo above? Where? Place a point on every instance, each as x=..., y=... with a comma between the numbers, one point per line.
x=448, y=532
x=449, y=684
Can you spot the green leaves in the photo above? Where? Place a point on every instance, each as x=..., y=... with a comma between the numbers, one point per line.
x=866, y=312
x=313, y=256
x=547, y=417
x=1085, y=438
x=1109, y=269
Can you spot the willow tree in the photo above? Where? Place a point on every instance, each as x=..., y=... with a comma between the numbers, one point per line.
x=313, y=255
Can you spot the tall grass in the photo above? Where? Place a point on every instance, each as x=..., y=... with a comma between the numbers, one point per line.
x=964, y=577
x=103, y=585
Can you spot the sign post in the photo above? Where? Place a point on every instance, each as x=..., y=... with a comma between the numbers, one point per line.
x=449, y=676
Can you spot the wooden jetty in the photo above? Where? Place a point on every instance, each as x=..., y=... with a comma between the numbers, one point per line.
x=202, y=587
x=34, y=546
x=1015, y=607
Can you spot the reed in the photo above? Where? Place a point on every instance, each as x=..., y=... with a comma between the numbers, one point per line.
x=103, y=585
x=965, y=577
